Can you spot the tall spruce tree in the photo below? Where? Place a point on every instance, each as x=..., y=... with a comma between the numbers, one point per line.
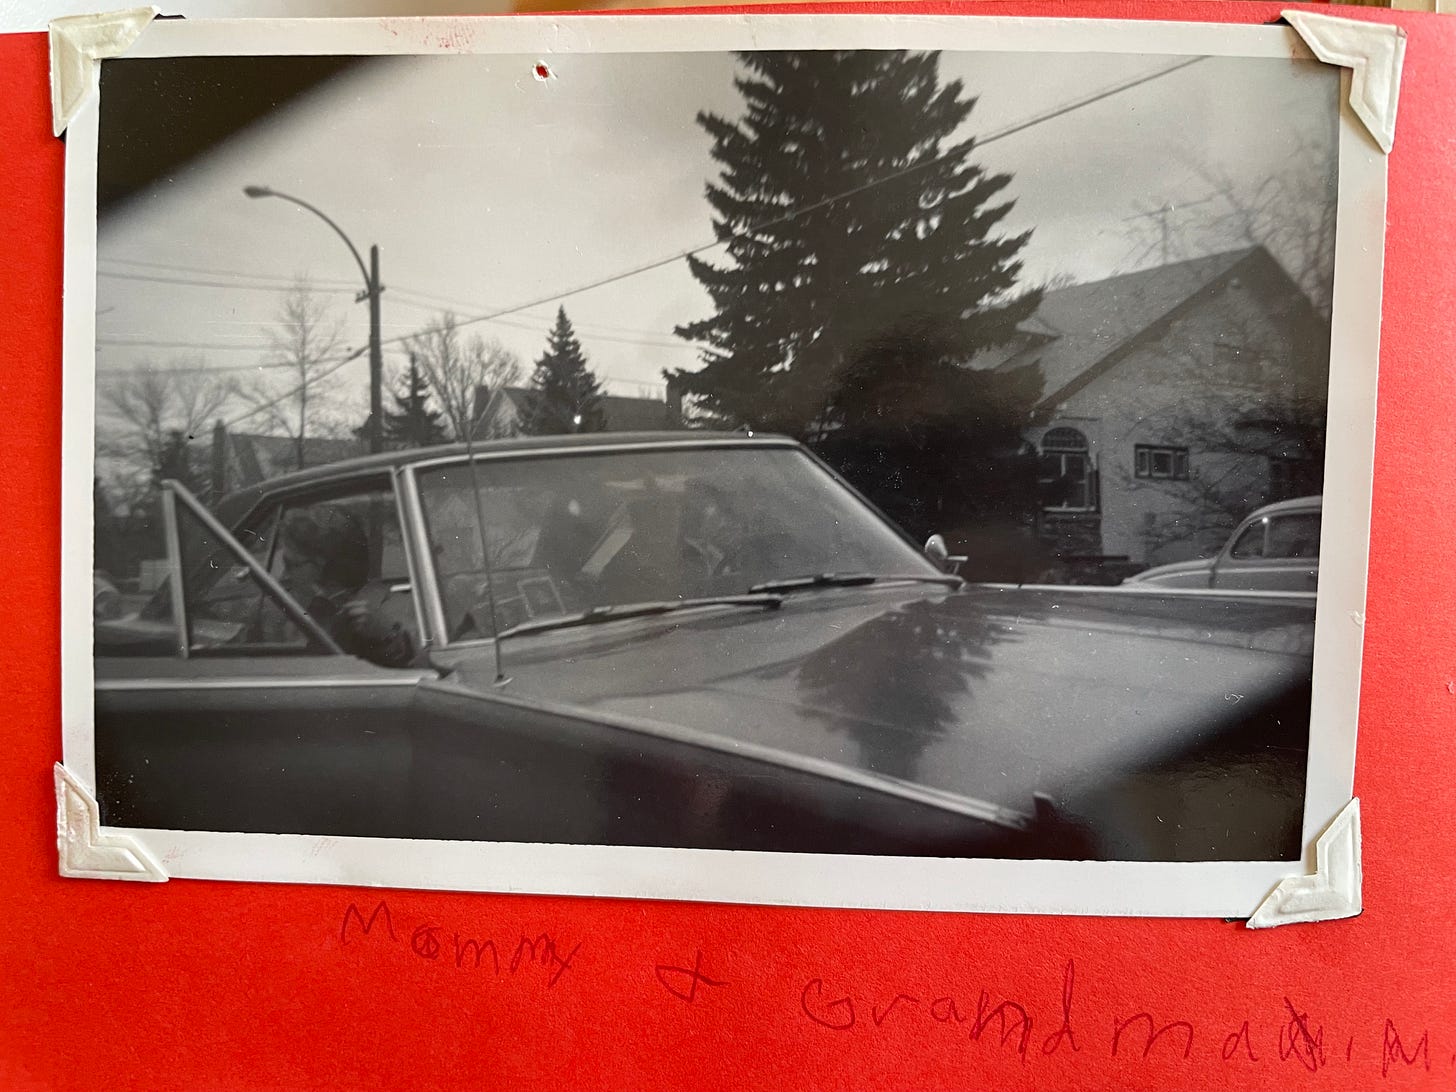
x=565, y=395
x=861, y=250
x=415, y=424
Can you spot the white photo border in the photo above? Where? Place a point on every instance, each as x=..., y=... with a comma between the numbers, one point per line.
x=1220, y=889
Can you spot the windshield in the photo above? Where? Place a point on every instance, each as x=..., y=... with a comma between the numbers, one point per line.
x=569, y=533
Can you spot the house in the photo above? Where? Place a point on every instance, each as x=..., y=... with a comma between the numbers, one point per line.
x=238, y=459
x=499, y=414
x=1175, y=400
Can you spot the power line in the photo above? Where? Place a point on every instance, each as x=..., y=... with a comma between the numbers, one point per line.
x=210, y=272
x=593, y=329
x=181, y=369
x=792, y=214
x=110, y=373
x=294, y=390
x=592, y=335
x=208, y=346
x=146, y=343
x=232, y=286
x=1095, y=96
x=401, y=294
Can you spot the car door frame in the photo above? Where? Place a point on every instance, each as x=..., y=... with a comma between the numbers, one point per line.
x=212, y=699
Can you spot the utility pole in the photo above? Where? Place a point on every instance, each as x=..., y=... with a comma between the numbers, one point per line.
x=1164, y=246
x=373, y=289
x=376, y=358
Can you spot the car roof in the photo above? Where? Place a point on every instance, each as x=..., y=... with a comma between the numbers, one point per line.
x=236, y=505
x=1295, y=504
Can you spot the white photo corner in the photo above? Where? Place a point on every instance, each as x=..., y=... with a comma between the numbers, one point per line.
x=867, y=461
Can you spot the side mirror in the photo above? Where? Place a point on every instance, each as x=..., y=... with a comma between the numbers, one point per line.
x=940, y=556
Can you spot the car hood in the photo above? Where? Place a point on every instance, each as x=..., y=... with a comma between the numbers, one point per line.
x=989, y=694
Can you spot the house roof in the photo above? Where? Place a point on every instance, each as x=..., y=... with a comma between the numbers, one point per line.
x=517, y=396
x=273, y=451
x=622, y=413
x=1078, y=326
x=625, y=414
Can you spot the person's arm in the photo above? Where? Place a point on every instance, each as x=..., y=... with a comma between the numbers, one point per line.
x=385, y=645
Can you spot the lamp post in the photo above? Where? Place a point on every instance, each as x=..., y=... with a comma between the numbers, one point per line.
x=372, y=290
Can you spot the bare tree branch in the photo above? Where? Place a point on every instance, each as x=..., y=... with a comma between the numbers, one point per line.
x=150, y=406
x=1291, y=215
x=294, y=400
x=1253, y=408
x=456, y=370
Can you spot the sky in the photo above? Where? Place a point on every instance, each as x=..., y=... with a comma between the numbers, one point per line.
x=488, y=189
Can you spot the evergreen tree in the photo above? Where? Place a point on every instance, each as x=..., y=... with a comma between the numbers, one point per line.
x=860, y=243
x=565, y=395
x=175, y=462
x=415, y=424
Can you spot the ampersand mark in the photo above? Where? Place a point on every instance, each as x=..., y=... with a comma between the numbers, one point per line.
x=682, y=982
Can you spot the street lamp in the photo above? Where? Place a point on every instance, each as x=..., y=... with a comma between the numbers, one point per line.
x=372, y=290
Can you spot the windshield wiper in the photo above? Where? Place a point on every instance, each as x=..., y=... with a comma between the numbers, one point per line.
x=593, y=615
x=852, y=580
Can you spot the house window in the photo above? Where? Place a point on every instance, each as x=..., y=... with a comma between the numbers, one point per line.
x=1150, y=461
x=1067, y=478
x=1290, y=478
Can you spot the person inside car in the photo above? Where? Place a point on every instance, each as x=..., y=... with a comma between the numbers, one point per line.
x=325, y=556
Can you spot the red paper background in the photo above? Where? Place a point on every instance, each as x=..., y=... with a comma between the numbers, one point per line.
x=192, y=985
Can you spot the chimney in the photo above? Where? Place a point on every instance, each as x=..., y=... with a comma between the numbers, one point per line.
x=478, y=407
x=674, y=402
x=219, y=459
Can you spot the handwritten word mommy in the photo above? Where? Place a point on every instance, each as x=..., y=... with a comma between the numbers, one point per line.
x=542, y=954
x=1010, y=1025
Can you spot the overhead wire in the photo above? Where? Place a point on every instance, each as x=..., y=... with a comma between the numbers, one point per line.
x=645, y=267
x=804, y=210
x=270, y=403
x=231, y=286
x=408, y=297
x=173, y=267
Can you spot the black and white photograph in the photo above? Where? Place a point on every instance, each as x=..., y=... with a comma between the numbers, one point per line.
x=644, y=446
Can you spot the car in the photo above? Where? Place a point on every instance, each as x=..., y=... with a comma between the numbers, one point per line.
x=700, y=640
x=1275, y=548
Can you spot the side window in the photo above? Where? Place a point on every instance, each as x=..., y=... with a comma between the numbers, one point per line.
x=338, y=556
x=336, y=550
x=228, y=611
x=1251, y=543
x=225, y=609
x=221, y=587
x=1294, y=536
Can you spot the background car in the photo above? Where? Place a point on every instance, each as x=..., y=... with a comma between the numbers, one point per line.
x=1276, y=548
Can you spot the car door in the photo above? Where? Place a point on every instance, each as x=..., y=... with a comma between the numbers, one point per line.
x=221, y=705
x=1275, y=552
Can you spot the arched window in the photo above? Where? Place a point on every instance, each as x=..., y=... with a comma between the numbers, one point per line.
x=1068, y=482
